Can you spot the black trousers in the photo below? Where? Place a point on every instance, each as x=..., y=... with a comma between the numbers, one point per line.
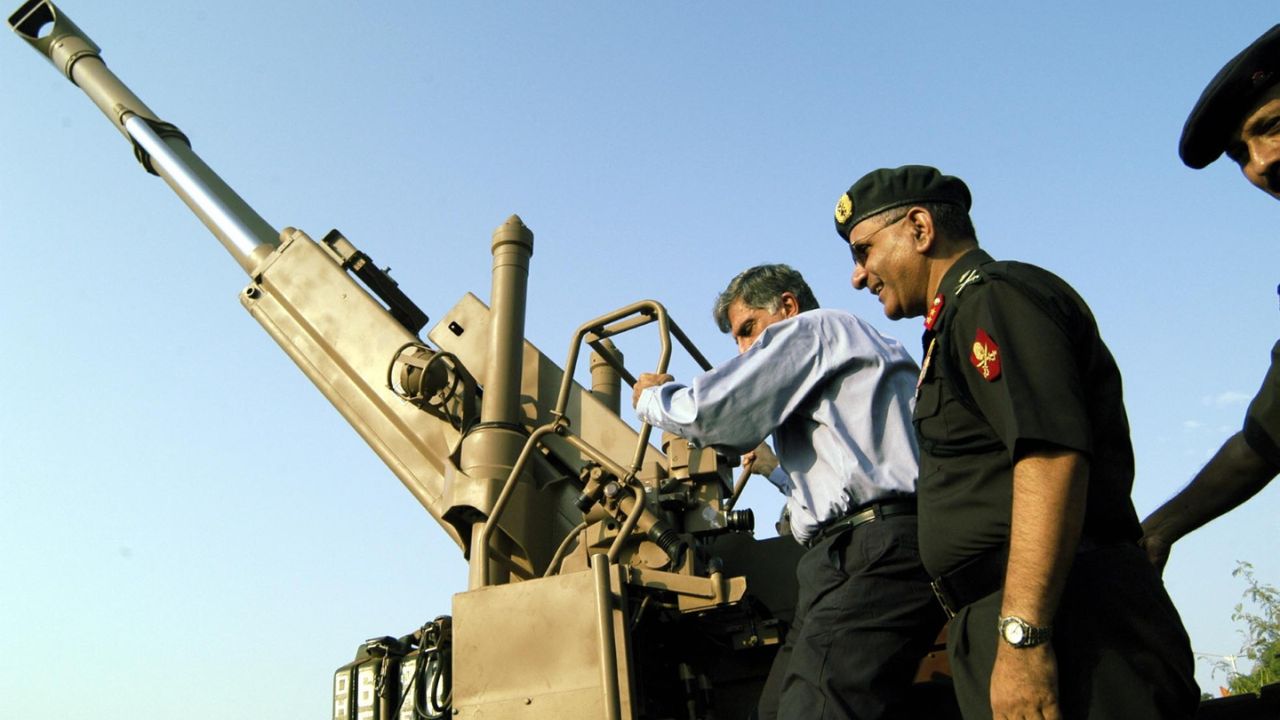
x=1121, y=649
x=865, y=616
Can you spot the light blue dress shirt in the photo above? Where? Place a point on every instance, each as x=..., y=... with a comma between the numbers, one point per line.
x=837, y=397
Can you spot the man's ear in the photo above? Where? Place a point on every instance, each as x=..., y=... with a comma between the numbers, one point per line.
x=924, y=235
x=789, y=304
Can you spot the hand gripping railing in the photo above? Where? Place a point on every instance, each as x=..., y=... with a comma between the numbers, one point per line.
x=594, y=332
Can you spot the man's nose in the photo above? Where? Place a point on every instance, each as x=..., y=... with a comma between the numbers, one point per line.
x=859, y=278
x=1263, y=168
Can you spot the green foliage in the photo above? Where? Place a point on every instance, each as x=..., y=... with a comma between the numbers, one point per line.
x=1261, y=634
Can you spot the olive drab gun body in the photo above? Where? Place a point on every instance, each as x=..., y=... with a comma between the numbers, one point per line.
x=608, y=577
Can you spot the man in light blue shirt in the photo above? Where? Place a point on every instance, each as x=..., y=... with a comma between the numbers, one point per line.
x=837, y=397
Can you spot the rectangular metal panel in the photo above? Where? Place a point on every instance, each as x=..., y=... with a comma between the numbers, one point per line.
x=531, y=650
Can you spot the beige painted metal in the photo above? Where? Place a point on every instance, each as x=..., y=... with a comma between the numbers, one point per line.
x=342, y=339
x=482, y=569
x=768, y=566
x=532, y=649
x=463, y=331
x=606, y=381
x=512, y=248
x=553, y=647
x=542, y=513
x=490, y=449
x=606, y=627
x=693, y=592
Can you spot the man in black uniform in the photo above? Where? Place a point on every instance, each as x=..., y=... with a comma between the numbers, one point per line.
x=1239, y=114
x=1025, y=469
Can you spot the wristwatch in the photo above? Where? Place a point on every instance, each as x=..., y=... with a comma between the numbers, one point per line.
x=1022, y=634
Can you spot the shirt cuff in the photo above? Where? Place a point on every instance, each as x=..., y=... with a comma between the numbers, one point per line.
x=781, y=480
x=648, y=408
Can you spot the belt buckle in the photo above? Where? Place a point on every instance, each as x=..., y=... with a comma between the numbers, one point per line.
x=940, y=592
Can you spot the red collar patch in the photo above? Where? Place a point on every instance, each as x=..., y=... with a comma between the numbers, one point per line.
x=985, y=356
x=934, y=311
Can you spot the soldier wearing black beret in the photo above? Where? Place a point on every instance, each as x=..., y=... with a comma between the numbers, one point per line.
x=1238, y=114
x=1026, y=467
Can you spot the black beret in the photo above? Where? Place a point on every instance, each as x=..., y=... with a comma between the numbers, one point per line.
x=1221, y=108
x=889, y=188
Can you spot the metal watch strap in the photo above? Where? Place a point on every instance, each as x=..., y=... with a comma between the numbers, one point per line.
x=1032, y=635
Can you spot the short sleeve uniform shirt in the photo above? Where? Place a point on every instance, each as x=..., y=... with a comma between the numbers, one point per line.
x=1016, y=363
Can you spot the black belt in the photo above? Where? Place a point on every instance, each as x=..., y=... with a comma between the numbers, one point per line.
x=864, y=514
x=982, y=575
x=977, y=578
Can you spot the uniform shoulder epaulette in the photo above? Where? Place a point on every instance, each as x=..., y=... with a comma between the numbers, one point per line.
x=970, y=277
x=995, y=272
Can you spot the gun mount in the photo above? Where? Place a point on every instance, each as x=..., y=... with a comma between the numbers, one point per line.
x=608, y=576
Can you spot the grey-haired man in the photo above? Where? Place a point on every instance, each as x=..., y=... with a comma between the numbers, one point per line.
x=836, y=396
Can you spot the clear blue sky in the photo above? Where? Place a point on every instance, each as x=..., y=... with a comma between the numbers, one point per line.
x=188, y=527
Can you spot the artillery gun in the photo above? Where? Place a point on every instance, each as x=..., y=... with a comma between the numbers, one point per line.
x=608, y=576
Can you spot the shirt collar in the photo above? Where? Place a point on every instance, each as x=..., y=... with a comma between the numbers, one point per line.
x=960, y=275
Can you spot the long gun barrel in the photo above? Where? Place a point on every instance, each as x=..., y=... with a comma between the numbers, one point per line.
x=417, y=406
x=301, y=291
x=161, y=147
x=594, y=556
